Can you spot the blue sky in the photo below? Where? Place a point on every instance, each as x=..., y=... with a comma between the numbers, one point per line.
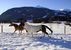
x=52, y=4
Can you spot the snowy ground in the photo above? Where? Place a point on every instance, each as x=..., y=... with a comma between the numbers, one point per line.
x=15, y=41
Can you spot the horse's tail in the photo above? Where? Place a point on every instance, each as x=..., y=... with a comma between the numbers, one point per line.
x=48, y=28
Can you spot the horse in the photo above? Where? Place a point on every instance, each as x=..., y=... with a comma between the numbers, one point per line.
x=30, y=27
x=19, y=27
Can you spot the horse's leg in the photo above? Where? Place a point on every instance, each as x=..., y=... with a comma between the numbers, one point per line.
x=19, y=31
x=44, y=31
x=48, y=28
x=39, y=30
x=26, y=31
x=15, y=30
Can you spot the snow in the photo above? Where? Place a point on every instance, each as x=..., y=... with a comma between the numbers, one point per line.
x=61, y=9
x=25, y=41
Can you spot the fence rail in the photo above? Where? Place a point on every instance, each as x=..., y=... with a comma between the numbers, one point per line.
x=57, y=28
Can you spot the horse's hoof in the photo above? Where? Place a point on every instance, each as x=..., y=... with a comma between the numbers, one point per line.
x=49, y=36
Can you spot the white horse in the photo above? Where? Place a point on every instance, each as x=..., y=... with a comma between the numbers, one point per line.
x=31, y=28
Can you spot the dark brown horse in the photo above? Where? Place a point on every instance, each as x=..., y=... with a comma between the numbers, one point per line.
x=19, y=27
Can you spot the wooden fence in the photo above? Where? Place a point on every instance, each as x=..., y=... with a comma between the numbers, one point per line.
x=57, y=28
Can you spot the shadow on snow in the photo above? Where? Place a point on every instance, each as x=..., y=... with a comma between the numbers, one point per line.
x=55, y=41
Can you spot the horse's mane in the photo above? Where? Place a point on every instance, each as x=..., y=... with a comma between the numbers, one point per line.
x=21, y=24
x=33, y=24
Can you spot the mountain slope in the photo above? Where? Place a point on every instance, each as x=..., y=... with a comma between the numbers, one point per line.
x=23, y=13
x=36, y=14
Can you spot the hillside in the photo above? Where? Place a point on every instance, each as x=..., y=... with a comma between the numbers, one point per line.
x=34, y=13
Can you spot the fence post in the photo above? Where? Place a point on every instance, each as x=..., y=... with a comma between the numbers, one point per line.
x=1, y=28
x=64, y=29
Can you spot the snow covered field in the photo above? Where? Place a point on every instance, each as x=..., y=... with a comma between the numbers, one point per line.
x=14, y=41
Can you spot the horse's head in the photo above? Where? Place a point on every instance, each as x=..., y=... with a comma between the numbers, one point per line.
x=13, y=24
x=22, y=23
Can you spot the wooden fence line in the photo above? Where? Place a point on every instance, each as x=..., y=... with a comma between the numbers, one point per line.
x=50, y=25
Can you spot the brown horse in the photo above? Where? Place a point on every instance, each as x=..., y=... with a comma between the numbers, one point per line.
x=19, y=27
